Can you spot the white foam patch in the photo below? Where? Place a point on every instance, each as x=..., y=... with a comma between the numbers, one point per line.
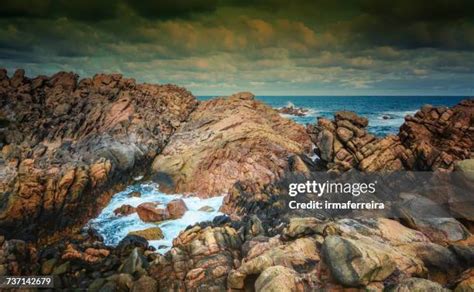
x=115, y=228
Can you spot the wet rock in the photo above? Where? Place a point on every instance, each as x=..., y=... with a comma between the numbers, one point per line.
x=206, y=209
x=130, y=242
x=135, y=194
x=416, y=284
x=148, y=212
x=176, y=208
x=294, y=111
x=152, y=233
x=124, y=210
x=145, y=283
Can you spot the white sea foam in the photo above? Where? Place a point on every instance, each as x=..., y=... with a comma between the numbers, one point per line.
x=114, y=228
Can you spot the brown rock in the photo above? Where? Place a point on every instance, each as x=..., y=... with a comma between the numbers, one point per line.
x=124, y=210
x=227, y=140
x=199, y=258
x=79, y=142
x=152, y=233
x=279, y=278
x=352, y=117
x=344, y=134
x=149, y=212
x=176, y=208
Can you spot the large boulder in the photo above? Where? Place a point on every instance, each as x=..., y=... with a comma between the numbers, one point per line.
x=176, y=208
x=148, y=212
x=226, y=140
x=355, y=263
x=152, y=233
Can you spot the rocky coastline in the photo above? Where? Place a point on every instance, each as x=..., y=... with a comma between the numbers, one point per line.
x=67, y=146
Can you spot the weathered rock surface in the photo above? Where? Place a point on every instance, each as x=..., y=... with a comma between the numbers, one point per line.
x=434, y=138
x=67, y=143
x=200, y=258
x=152, y=233
x=226, y=140
x=438, y=136
x=150, y=212
x=176, y=208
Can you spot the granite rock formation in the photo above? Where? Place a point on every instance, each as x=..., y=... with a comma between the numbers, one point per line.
x=67, y=144
x=226, y=140
x=434, y=138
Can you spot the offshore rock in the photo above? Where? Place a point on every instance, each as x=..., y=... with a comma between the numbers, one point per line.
x=226, y=140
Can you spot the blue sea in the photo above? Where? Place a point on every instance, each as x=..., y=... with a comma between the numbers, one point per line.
x=375, y=108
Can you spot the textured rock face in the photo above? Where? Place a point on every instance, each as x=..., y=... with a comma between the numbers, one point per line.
x=226, y=140
x=200, y=258
x=438, y=136
x=434, y=138
x=150, y=212
x=176, y=208
x=65, y=144
x=345, y=143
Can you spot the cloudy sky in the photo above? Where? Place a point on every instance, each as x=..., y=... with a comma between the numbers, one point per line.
x=269, y=47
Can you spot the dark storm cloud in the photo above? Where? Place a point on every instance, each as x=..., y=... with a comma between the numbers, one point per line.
x=171, y=8
x=88, y=10
x=93, y=10
x=445, y=24
x=264, y=45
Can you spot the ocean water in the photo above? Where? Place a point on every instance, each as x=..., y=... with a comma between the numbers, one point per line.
x=375, y=108
x=114, y=228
